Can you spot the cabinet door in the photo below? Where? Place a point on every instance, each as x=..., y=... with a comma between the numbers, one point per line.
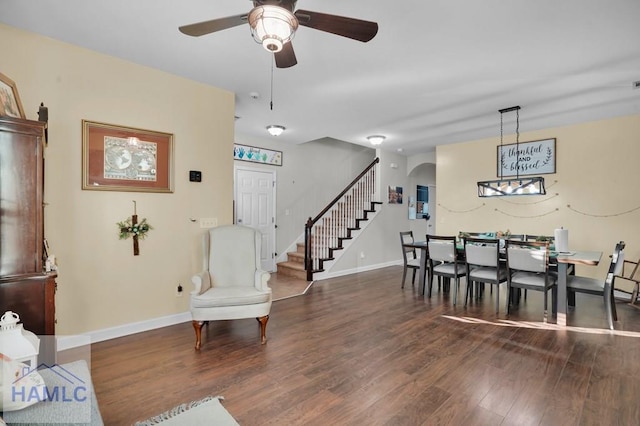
x=21, y=187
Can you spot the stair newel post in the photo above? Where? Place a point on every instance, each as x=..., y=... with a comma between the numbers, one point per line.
x=308, y=260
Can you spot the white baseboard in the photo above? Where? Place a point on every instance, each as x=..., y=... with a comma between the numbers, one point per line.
x=333, y=274
x=74, y=341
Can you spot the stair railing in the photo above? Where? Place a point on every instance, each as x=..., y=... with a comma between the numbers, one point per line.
x=324, y=233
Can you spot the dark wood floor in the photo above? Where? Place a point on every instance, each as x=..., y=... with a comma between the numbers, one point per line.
x=284, y=286
x=358, y=350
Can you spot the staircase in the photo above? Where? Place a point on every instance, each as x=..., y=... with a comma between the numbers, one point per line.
x=294, y=265
x=340, y=221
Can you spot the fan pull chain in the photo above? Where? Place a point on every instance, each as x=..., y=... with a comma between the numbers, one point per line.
x=271, y=100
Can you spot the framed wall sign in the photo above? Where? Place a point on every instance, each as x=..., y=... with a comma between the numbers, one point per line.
x=257, y=155
x=117, y=158
x=10, y=104
x=527, y=158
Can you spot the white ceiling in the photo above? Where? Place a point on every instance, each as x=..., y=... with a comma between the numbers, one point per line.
x=437, y=72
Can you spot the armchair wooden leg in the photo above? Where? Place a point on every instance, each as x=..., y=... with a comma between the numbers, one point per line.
x=197, y=326
x=263, y=328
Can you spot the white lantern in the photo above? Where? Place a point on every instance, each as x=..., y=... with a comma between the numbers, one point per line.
x=16, y=342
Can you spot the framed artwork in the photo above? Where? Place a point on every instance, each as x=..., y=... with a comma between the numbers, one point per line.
x=117, y=158
x=395, y=195
x=527, y=158
x=10, y=105
x=257, y=155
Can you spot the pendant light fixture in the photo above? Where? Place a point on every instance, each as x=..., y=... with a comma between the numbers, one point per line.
x=530, y=185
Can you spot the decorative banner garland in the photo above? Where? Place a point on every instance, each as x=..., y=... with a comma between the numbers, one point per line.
x=524, y=204
x=527, y=217
x=461, y=211
x=603, y=215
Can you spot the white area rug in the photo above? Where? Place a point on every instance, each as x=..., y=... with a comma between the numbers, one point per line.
x=207, y=411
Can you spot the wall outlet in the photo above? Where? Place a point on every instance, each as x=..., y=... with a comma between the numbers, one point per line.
x=208, y=222
x=361, y=255
x=179, y=290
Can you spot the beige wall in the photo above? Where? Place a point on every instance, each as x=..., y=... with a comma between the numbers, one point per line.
x=101, y=284
x=597, y=174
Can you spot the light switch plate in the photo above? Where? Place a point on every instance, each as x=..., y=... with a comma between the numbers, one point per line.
x=208, y=222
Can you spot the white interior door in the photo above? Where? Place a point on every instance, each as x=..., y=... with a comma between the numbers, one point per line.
x=255, y=194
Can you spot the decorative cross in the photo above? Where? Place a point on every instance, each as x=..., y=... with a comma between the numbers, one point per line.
x=134, y=221
x=132, y=228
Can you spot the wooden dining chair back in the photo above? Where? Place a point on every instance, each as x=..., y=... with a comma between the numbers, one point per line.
x=483, y=265
x=628, y=281
x=600, y=287
x=444, y=262
x=528, y=269
x=409, y=257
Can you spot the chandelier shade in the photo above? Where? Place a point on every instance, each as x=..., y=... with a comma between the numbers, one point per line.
x=272, y=26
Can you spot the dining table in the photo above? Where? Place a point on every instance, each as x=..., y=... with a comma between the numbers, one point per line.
x=564, y=262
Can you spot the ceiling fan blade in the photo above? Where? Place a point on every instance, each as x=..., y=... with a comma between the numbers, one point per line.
x=356, y=29
x=207, y=27
x=286, y=57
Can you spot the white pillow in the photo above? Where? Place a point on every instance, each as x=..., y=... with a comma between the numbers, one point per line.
x=29, y=385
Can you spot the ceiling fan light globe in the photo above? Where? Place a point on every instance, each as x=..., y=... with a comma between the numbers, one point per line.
x=272, y=26
x=272, y=44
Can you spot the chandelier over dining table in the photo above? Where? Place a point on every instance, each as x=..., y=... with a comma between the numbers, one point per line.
x=530, y=185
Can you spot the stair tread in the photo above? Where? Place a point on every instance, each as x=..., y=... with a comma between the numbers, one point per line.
x=293, y=265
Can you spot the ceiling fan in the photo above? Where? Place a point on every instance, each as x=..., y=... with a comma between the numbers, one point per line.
x=273, y=24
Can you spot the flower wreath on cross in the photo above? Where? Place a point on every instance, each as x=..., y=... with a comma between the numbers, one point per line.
x=129, y=229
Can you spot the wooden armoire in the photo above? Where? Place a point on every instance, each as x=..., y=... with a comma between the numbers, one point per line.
x=25, y=287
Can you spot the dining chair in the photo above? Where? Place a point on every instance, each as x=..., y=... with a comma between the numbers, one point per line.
x=628, y=281
x=409, y=257
x=444, y=262
x=483, y=265
x=528, y=269
x=598, y=286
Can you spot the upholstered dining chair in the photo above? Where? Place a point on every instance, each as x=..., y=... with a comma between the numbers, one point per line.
x=528, y=268
x=600, y=287
x=482, y=257
x=232, y=284
x=409, y=257
x=444, y=262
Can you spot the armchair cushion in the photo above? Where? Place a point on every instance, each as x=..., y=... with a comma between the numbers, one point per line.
x=229, y=296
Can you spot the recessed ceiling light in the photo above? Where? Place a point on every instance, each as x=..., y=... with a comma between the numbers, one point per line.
x=275, y=130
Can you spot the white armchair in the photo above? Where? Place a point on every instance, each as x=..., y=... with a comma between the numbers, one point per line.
x=231, y=285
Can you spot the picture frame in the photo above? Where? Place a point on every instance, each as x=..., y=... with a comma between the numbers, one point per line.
x=10, y=104
x=119, y=158
x=536, y=158
x=395, y=194
x=254, y=154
